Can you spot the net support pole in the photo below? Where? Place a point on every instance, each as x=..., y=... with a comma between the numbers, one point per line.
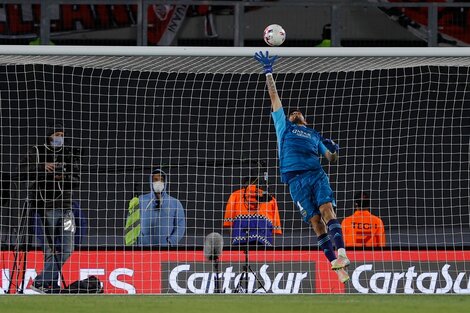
x=142, y=24
x=432, y=26
x=45, y=29
x=238, y=22
x=335, y=25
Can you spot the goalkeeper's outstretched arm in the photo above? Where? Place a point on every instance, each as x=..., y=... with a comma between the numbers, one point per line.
x=275, y=100
x=268, y=63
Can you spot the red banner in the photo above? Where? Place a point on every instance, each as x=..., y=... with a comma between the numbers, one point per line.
x=152, y=272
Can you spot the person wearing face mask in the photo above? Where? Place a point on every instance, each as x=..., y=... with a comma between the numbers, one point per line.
x=52, y=172
x=155, y=218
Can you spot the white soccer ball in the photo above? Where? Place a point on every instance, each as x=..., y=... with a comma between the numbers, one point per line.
x=274, y=35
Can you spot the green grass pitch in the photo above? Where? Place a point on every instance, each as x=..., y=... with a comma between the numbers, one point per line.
x=236, y=303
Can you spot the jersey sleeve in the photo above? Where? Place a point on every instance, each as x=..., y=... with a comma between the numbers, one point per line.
x=279, y=118
x=321, y=148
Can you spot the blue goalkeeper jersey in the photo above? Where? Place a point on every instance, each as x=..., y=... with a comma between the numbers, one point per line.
x=299, y=147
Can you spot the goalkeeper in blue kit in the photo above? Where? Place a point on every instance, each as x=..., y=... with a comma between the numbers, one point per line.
x=300, y=148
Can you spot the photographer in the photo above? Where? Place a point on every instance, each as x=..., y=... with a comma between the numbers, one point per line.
x=52, y=172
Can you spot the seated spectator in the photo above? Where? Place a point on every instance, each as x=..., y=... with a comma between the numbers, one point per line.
x=252, y=215
x=363, y=229
x=155, y=218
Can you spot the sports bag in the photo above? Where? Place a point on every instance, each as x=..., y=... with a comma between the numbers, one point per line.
x=88, y=285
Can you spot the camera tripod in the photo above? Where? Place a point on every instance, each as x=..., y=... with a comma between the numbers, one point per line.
x=215, y=265
x=21, y=249
x=242, y=286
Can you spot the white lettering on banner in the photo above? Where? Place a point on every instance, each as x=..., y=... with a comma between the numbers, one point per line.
x=448, y=278
x=115, y=282
x=298, y=281
x=200, y=283
x=204, y=280
x=30, y=274
x=458, y=281
x=212, y=283
x=277, y=280
x=396, y=279
x=265, y=276
x=387, y=282
x=432, y=283
x=355, y=277
x=228, y=275
x=5, y=281
x=410, y=274
x=113, y=277
x=173, y=279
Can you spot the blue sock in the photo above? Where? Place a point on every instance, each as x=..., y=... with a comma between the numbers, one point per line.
x=325, y=244
x=334, y=228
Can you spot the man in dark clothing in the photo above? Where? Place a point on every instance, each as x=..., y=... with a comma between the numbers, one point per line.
x=52, y=171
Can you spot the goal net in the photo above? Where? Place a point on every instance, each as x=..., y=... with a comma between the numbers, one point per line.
x=202, y=116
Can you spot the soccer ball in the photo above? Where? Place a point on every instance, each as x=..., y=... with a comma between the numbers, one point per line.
x=274, y=35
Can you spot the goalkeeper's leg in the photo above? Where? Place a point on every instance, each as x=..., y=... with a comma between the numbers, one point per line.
x=326, y=245
x=306, y=200
x=325, y=198
x=335, y=231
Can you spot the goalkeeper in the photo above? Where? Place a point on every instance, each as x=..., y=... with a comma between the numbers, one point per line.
x=300, y=148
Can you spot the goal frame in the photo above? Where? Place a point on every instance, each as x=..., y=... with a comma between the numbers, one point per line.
x=235, y=51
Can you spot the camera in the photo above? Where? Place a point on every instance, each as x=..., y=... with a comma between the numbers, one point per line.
x=69, y=165
x=60, y=168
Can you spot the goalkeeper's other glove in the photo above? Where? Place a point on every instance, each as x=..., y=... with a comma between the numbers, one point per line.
x=331, y=145
x=266, y=61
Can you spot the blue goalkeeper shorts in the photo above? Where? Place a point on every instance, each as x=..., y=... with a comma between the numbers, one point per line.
x=309, y=192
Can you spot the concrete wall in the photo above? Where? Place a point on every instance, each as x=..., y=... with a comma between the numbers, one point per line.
x=304, y=23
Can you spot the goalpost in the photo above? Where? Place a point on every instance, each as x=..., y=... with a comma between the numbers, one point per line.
x=401, y=117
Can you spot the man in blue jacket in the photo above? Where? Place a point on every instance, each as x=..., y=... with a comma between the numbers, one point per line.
x=155, y=218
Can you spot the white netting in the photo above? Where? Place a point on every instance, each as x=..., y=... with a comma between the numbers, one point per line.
x=401, y=123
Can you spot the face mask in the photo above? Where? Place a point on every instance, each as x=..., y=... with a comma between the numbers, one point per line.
x=158, y=186
x=57, y=142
